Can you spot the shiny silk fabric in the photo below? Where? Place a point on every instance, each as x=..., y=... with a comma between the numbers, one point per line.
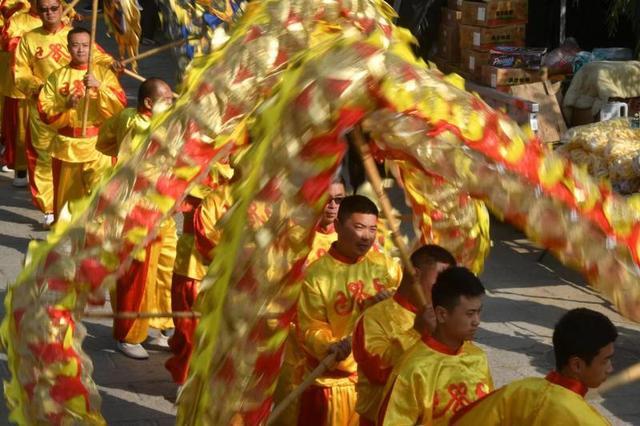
x=431, y=383
x=538, y=401
x=382, y=335
x=332, y=297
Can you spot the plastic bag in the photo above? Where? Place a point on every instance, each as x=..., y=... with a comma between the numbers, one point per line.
x=560, y=60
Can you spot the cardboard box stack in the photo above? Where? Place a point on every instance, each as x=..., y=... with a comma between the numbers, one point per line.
x=448, y=47
x=485, y=25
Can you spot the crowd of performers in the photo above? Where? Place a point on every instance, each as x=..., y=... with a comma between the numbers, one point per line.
x=397, y=364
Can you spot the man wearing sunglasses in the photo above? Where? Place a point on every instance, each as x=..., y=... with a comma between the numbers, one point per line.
x=14, y=111
x=40, y=52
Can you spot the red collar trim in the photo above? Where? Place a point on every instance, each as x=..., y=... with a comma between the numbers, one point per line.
x=328, y=230
x=341, y=257
x=439, y=346
x=79, y=67
x=33, y=13
x=567, y=382
x=404, y=302
x=147, y=114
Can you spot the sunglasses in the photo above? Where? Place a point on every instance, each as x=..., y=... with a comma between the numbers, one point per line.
x=48, y=9
x=336, y=200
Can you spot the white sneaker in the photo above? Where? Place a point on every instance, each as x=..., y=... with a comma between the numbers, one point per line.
x=6, y=169
x=159, y=340
x=48, y=220
x=20, y=182
x=135, y=351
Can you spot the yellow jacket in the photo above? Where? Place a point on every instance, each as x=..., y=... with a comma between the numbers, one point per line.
x=322, y=240
x=554, y=400
x=431, y=383
x=108, y=100
x=39, y=53
x=382, y=335
x=13, y=29
x=120, y=135
x=333, y=293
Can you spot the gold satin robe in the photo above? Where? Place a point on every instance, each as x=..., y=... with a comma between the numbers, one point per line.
x=383, y=334
x=333, y=295
x=431, y=383
x=552, y=401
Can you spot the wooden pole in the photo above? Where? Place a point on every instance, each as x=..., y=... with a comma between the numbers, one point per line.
x=138, y=77
x=374, y=178
x=69, y=8
x=141, y=315
x=325, y=365
x=94, y=25
x=153, y=51
x=624, y=377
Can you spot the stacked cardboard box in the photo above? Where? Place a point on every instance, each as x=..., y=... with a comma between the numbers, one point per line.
x=448, y=47
x=486, y=25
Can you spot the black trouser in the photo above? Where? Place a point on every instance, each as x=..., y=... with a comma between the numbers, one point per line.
x=149, y=20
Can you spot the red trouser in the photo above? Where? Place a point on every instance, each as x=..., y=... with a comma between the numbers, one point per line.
x=184, y=291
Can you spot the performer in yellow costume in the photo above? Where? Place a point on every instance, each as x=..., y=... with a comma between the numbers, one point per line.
x=147, y=284
x=444, y=372
x=40, y=52
x=202, y=209
x=583, y=344
x=386, y=331
x=334, y=291
x=14, y=110
x=292, y=368
x=77, y=165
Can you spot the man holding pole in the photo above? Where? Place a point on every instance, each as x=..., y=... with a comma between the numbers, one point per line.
x=14, y=111
x=146, y=286
x=334, y=292
x=39, y=53
x=77, y=165
x=443, y=372
x=385, y=331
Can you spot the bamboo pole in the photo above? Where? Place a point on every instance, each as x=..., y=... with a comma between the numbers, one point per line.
x=142, y=315
x=154, y=51
x=138, y=77
x=374, y=178
x=94, y=26
x=624, y=377
x=326, y=364
x=69, y=7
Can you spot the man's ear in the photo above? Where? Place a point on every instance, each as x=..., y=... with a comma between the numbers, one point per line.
x=148, y=104
x=441, y=314
x=576, y=365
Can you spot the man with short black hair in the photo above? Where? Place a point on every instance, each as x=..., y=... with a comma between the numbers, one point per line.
x=77, y=165
x=583, y=345
x=334, y=292
x=443, y=372
x=40, y=52
x=385, y=331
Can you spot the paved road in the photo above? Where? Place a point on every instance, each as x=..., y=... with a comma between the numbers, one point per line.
x=525, y=299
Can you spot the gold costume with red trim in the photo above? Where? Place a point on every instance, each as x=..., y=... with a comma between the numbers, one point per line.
x=333, y=295
x=292, y=370
x=15, y=108
x=382, y=335
x=200, y=236
x=147, y=284
x=77, y=165
x=431, y=383
x=555, y=399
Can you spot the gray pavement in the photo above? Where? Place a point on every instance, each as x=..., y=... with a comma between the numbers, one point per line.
x=525, y=299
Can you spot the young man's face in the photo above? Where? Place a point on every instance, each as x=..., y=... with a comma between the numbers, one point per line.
x=336, y=195
x=50, y=12
x=357, y=234
x=79, y=48
x=462, y=322
x=427, y=275
x=596, y=372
